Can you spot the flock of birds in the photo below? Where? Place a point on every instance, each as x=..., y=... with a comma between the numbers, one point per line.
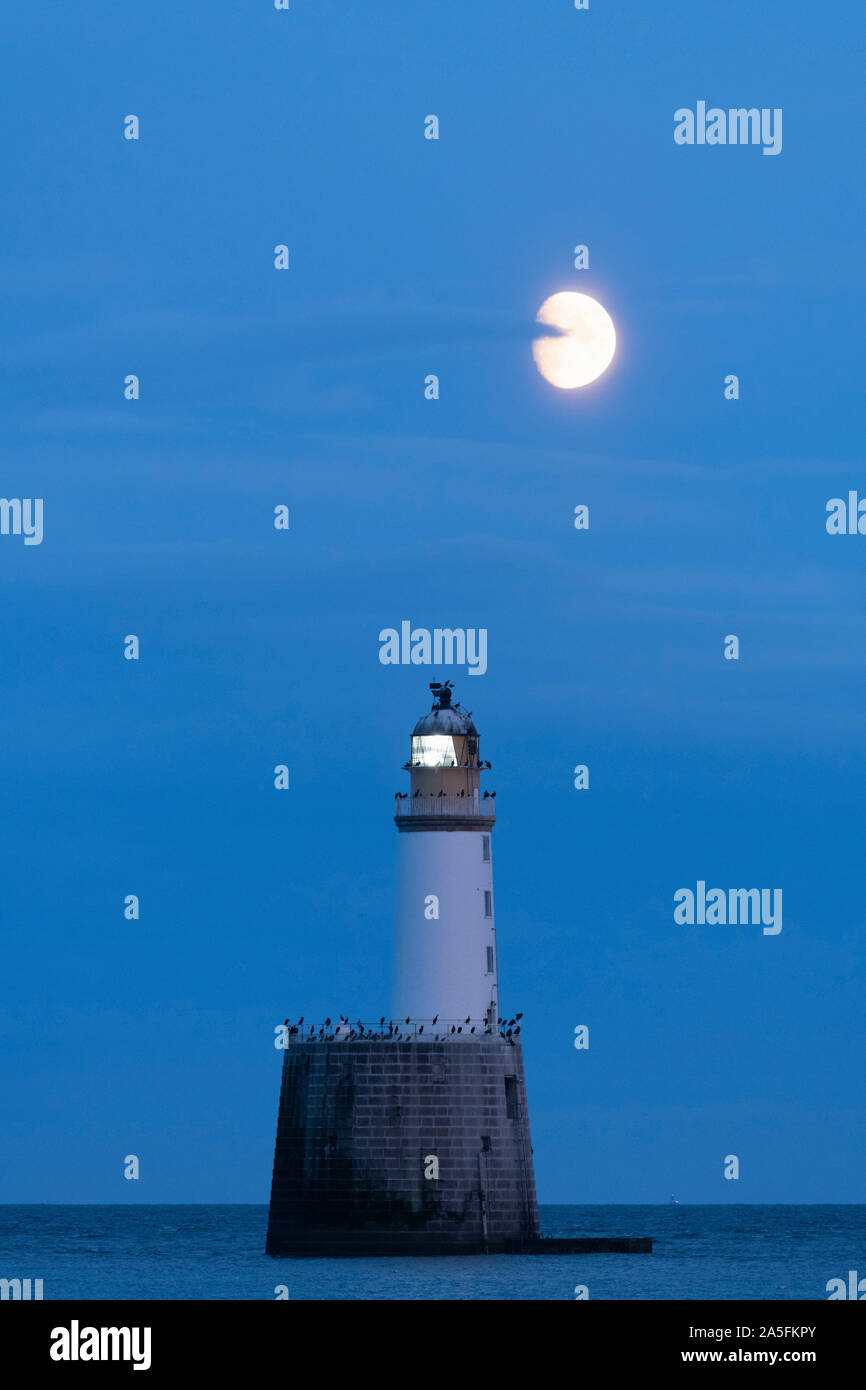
x=482, y=762
x=403, y=796
x=509, y=1029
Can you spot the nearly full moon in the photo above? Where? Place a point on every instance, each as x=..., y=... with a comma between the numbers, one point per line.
x=585, y=346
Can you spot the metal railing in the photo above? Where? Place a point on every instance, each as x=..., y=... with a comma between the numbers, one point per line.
x=427, y=805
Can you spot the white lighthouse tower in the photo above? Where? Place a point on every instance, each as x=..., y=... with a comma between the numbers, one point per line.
x=446, y=966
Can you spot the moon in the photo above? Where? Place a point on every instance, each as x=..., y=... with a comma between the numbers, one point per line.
x=585, y=346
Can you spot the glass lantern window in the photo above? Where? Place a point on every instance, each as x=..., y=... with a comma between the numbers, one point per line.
x=433, y=750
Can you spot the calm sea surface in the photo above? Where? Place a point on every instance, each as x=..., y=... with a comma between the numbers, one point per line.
x=177, y=1252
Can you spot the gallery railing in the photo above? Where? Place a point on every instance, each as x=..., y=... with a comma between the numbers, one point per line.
x=445, y=806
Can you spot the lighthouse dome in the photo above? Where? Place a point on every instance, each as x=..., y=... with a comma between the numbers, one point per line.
x=446, y=737
x=444, y=718
x=448, y=720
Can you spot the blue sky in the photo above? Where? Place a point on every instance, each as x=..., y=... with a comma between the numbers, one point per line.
x=306, y=388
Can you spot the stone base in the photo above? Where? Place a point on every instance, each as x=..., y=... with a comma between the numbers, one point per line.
x=362, y=1121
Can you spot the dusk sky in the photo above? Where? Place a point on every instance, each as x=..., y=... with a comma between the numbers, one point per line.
x=260, y=647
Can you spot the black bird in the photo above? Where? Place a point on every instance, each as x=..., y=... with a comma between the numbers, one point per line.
x=492, y=795
x=459, y=1030
x=300, y=1020
x=468, y=1019
x=472, y=1030
x=508, y=1034
x=441, y=793
x=436, y=1019
x=382, y=1019
x=518, y=1015
x=421, y=1029
x=517, y=1030
x=327, y=1023
x=407, y=1020
x=453, y=1029
x=286, y=1022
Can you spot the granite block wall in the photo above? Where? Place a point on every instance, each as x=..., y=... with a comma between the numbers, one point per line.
x=360, y=1122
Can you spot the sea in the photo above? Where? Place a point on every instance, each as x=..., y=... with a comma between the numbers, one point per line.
x=217, y=1252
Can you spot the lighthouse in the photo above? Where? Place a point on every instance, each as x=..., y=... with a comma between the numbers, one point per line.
x=409, y=1134
x=445, y=948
